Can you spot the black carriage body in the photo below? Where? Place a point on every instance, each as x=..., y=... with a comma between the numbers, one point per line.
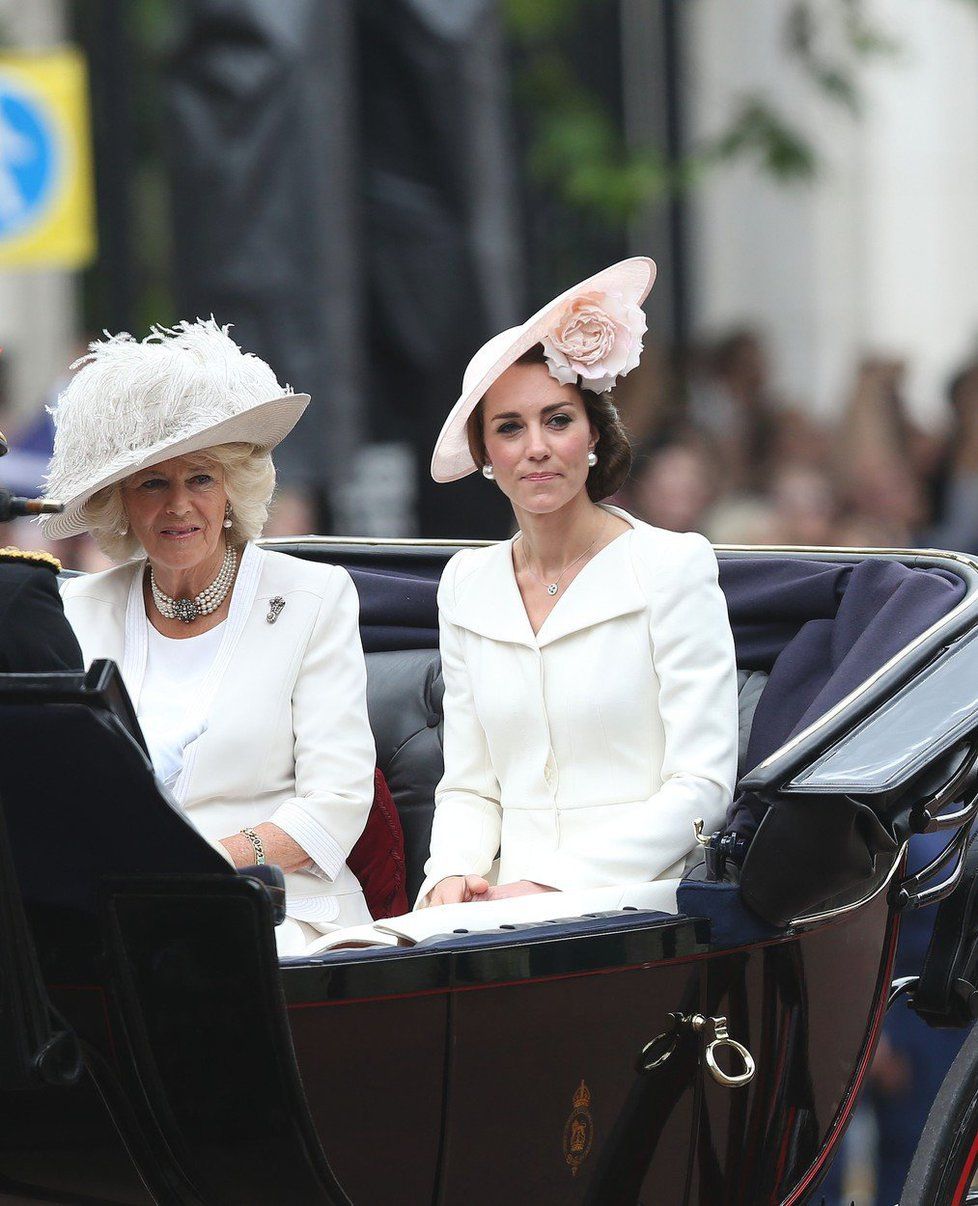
x=472, y=1068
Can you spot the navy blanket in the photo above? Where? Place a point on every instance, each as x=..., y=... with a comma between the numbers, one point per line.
x=398, y=610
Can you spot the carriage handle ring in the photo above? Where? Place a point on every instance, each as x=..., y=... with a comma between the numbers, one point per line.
x=655, y=1053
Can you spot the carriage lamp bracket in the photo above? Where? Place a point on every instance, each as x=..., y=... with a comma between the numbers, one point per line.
x=655, y=1053
x=902, y=987
x=911, y=894
x=927, y=816
x=962, y=989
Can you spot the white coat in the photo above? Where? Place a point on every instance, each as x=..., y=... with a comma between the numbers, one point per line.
x=583, y=755
x=286, y=735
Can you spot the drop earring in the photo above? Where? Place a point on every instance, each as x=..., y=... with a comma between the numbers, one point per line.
x=488, y=472
x=592, y=458
x=227, y=516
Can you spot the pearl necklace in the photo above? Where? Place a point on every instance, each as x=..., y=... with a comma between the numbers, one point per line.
x=209, y=599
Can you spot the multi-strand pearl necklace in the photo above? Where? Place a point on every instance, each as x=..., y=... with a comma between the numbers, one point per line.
x=209, y=599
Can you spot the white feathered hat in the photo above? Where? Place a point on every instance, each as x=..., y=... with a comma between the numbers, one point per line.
x=591, y=334
x=132, y=404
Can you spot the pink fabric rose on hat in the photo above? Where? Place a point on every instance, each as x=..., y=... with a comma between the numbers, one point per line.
x=597, y=338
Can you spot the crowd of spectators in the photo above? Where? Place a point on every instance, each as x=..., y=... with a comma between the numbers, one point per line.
x=726, y=457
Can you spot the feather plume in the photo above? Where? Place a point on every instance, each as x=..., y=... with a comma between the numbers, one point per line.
x=130, y=399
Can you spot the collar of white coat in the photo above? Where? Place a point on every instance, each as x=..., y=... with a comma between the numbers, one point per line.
x=488, y=601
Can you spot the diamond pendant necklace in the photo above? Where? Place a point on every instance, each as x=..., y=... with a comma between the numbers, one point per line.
x=209, y=599
x=553, y=587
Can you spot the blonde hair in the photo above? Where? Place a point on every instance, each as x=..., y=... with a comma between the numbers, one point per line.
x=249, y=482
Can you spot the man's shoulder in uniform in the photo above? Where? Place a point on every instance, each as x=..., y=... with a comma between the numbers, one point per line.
x=33, y=559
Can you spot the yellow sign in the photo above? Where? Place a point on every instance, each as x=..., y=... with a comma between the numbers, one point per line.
x=46, y=205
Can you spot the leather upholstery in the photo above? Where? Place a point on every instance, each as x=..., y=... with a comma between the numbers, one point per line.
x=750, y=684
x=404, y=702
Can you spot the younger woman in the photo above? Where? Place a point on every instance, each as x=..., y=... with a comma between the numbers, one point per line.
x=590, y=683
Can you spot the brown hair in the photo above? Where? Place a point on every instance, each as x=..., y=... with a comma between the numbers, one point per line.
x=613, y=447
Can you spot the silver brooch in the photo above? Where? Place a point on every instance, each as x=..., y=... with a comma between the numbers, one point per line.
x=275, y=608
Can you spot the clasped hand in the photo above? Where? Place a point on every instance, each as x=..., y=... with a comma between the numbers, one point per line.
x=461, y=889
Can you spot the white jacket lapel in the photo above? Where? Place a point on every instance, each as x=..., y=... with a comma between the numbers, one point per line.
x=604, y=589
x=488, y=600
x=135, y=646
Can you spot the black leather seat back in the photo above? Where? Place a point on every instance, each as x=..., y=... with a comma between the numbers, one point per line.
x=750, y=685
x=404, y=699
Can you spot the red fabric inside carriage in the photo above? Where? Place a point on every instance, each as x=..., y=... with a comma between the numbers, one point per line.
x=377, y=860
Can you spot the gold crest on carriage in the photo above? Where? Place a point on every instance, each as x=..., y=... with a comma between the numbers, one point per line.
x=579, y=1130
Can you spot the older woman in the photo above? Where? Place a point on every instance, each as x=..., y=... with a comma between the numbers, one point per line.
x=244, y=666
x=590, y=684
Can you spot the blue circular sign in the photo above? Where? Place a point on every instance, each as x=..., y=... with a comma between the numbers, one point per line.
x=28, y=160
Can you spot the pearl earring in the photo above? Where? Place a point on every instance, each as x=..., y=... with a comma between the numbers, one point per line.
x=592, y=458
x=227, y=516
x=488, y=472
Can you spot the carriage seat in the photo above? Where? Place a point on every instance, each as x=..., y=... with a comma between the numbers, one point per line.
x=404, y=700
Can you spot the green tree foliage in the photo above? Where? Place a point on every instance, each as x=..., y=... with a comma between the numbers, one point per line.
x=577, y=148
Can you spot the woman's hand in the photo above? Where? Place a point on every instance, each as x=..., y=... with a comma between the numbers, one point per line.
x=522, y=887
x=280, y=849
x=457, y=889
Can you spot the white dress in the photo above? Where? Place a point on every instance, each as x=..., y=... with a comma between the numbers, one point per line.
x=171, y=712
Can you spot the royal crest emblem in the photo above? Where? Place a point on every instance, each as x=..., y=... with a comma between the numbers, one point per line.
x=579, y=1131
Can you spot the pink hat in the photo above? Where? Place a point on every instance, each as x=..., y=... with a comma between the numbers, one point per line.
x=591, y=335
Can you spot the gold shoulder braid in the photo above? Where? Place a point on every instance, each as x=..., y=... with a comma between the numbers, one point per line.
x=9, y=553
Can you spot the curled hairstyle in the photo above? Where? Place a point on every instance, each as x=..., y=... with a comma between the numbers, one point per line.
x=613, y=448
x=248, y=476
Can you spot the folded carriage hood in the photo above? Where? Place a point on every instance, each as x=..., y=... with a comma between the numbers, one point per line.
x=909, y=710
x=924, y=720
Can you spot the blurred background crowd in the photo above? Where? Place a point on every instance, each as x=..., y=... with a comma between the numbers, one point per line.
x=732, y=459
x=368, y=190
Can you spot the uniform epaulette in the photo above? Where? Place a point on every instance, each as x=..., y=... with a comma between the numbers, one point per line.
x=9, y=553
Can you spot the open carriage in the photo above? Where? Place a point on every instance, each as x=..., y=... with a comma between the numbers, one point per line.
x=154, y=1048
